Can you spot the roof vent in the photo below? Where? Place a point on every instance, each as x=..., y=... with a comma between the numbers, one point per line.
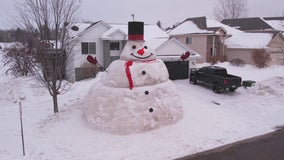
x=75, y=28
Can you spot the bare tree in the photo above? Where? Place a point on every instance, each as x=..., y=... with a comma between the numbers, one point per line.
x=230, y=9
x=46, y=18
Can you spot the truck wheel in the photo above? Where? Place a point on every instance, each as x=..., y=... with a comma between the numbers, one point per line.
x=232, y=89
x=193, y=81
x=216, y=89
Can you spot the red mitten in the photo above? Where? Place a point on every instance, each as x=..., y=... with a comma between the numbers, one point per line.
x=92, y=60
x=185, y=55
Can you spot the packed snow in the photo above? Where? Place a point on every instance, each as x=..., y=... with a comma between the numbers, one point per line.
x=210, y=120
x=134, y=95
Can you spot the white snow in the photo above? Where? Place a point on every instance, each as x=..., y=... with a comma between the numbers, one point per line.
x=156, y=72
x=205, y=124
x=188, y=27
x=276, y=24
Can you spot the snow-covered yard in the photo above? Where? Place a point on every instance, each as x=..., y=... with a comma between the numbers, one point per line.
x=210, y=120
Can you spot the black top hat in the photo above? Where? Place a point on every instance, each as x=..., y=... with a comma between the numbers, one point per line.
x=135, y=30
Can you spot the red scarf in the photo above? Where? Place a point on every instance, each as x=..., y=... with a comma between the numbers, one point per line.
x=128, y=73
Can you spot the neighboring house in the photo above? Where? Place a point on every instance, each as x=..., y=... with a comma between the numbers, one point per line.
x=218, y=41
x=105, y=41
x=266, y=33
x=197, y=35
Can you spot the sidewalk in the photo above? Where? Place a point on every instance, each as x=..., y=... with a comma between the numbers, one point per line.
x=266, y=147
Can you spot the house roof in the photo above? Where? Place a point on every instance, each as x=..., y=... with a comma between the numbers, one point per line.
x=76, y=28
x=273, y=18
x=188, y=27
x=172, y=50
x=240, y=39
x=199, y=21
x=276, y=22
x=197, y=25
x=247, y=24
x=153, y=35
x=181, y=46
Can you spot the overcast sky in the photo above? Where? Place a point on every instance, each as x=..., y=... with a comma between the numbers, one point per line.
x=150, y=11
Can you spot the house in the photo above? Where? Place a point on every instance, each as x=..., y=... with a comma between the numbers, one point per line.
x=197, y=35
x=105, y=41
x=216, y=41
x=267, y=32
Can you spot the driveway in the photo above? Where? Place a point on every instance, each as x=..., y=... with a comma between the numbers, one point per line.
x=265, y=147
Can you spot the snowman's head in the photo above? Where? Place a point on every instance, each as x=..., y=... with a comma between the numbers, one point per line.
x=137, y=51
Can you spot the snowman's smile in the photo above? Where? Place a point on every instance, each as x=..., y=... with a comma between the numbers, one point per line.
x=132, y=54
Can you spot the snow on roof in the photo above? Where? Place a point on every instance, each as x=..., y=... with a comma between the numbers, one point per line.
x=114, y=28
x=75, y=28
x=153, y=35
x=276, y=24
x=242, y=39
x=188, y=27
x=249, y=40
x=175, y=51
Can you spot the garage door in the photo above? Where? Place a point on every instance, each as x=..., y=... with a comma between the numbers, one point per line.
x=177, y=69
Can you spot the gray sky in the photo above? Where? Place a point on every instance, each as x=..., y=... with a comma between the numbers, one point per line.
x=150, y=11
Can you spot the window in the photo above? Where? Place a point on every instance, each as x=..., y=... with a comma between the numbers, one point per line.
x=114, y=45
x=88, y=47
x=188, y=40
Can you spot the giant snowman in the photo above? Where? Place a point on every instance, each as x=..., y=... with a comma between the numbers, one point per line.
x=134, y=94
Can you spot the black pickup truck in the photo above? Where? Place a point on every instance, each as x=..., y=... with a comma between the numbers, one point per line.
x=217, y=77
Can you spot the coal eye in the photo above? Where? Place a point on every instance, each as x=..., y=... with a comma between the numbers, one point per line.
x=145, y=47
x=133, y=47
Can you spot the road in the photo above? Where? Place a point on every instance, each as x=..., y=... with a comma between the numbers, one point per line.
x=266, y=147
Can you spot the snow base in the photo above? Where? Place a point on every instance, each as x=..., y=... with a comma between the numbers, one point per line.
x=123, y=111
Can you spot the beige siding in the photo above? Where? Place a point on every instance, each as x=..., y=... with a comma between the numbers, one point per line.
x=276, y=49
x=199, y=44
x=243, y=54
x=277, y=42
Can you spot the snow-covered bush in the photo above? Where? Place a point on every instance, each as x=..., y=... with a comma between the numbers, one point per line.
x=237, y=62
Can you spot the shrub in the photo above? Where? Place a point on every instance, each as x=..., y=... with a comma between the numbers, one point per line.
x=19, y=60
x=261, y=58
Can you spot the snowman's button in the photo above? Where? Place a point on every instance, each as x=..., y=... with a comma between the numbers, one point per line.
x=143, y=72
x=151, y=110
x=146, y=92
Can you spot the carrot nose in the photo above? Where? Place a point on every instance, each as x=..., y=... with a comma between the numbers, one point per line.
x=141, y=51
